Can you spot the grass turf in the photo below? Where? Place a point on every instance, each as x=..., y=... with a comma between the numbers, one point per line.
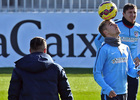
x=81, y=81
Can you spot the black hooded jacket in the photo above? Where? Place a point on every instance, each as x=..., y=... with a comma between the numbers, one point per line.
x=37, y=77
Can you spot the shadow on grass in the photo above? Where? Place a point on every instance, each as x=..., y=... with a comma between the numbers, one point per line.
x=68, y=70
x=7, y=70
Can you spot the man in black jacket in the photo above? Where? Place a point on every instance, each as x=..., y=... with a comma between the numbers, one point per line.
x=37, y=77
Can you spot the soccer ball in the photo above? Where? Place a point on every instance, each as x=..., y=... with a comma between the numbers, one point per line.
x=107, y=10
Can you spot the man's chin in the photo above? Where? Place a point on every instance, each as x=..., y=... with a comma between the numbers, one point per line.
x=119, y=33
x=132, y=21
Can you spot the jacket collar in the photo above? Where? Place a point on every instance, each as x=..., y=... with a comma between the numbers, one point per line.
x=127, y=23
x=115, y=42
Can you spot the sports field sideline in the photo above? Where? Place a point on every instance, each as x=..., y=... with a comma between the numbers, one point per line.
x=81, y=81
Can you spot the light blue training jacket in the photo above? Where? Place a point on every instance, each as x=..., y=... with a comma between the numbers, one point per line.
x=129, y=36
x=111, y=68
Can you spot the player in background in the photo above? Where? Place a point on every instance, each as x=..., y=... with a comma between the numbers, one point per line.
x=130, y=33
x=113, y=64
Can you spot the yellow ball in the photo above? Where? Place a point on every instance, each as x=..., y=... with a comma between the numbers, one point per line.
x=107, y=10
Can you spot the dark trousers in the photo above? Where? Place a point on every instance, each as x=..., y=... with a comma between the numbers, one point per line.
x=132, y=88
x=118, y=97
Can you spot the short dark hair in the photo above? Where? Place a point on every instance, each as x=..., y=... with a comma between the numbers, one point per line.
x=128, y=6
x=102, y=27
x=38, y=44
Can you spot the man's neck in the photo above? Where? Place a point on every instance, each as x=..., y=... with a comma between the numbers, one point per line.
x=127, y=23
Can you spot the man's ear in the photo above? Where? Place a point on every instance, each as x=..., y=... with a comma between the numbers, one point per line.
x=45, y=50
x=123, y=13
x=105, y=32
x=30, y=50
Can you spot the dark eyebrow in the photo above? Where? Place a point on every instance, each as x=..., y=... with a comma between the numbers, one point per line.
x=109, y=23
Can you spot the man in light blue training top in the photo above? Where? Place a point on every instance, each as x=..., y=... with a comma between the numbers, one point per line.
x=113, y=64
x=130, y=33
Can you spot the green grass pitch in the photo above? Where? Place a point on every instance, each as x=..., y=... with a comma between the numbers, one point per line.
x=81, y=81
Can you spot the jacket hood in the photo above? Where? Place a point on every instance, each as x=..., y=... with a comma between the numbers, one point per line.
x=34, y=62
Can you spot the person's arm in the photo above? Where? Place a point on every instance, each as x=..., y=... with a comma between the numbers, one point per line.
x=98, y=41
x=98, y=69
x=63, y=85
x=131, y=66
x=14, y=87
x=137, y=59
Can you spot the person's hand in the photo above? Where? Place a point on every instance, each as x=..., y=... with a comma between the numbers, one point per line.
x=136, y=61
x=112, y=94
x=138, y=73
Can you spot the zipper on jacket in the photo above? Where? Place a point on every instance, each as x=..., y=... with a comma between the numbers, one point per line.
x=120, y=50
x=129, y=31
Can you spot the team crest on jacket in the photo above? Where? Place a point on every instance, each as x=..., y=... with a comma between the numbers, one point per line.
x=119, y=60
x=136, y=33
